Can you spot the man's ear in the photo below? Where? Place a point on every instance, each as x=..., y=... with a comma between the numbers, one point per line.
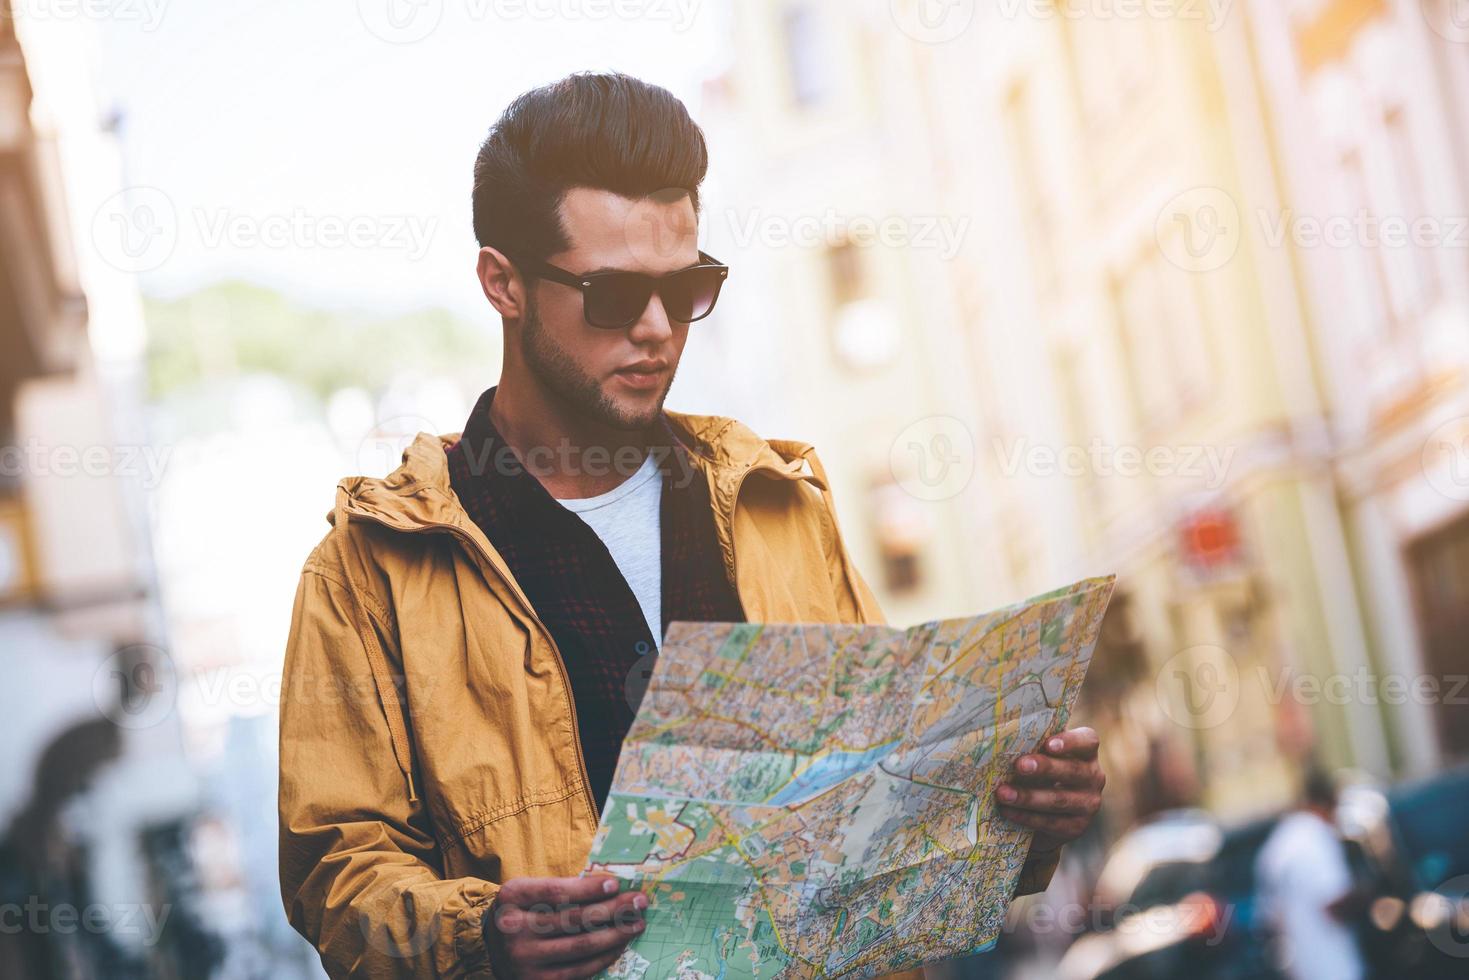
x=503, y=285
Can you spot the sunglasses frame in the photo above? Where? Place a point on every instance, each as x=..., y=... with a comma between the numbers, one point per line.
x=541, y=269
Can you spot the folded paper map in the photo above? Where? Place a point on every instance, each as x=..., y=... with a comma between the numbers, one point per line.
x=817, y=800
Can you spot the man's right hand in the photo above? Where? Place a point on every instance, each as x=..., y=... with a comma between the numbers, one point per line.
x=560, y=928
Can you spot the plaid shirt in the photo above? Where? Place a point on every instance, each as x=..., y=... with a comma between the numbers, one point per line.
x=575, y=586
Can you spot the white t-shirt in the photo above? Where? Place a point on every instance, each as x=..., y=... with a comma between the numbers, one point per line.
x=626, y=518
x=1301, y=870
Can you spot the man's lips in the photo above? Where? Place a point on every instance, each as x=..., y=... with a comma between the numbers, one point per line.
x=644, y=374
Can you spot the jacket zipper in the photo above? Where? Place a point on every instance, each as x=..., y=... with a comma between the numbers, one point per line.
x=465, y=538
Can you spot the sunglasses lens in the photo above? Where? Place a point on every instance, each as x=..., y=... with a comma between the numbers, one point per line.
x=691, y=294
x=615, y=301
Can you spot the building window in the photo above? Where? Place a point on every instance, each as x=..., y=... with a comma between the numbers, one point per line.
x=17, y=575
x=1094, y=496
x=1036, y=214
x=807, y=63
x=845, y=273
x=901, y=528
x=1112, y=62
x=1440, y=565
x=1370, y=278
x=1380, y=178
x=863, y=329
x=1164, y=339
x=1417, y=272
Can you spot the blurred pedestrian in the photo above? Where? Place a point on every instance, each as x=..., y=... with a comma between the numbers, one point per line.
x=1307, y=891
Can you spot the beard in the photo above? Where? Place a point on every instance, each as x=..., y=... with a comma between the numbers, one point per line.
x=558, y=372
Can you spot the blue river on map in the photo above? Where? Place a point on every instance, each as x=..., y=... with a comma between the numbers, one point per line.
x=826, y=771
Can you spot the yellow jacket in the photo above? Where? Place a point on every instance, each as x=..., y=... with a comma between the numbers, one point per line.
x=428, y=743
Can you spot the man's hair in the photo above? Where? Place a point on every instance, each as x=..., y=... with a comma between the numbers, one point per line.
x=1318, y=788
x=608, y=132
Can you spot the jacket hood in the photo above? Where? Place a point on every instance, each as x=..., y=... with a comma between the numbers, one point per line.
x=418, y=495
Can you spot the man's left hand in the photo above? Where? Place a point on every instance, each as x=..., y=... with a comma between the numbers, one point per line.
x=1056, y=790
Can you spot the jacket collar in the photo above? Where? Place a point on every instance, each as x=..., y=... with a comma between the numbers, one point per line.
x=418, y=497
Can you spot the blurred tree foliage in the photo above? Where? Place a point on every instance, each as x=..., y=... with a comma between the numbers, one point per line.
x=235, y=328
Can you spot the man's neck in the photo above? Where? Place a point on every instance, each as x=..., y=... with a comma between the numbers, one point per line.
x=573, y=456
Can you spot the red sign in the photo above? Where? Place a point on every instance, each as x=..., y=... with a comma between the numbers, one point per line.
x=1210, y=540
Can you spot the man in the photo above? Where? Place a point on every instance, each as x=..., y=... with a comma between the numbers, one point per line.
x=456, y=688
x=1307, y=890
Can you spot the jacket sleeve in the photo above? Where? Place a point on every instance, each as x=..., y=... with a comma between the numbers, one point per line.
x=857, y=604
x=359, y=867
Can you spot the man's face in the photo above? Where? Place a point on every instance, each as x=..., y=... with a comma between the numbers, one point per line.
x=618, y=377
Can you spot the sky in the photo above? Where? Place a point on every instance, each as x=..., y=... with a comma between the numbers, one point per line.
x=325, y=148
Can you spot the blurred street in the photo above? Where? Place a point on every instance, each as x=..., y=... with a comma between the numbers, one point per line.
x=1059, y=288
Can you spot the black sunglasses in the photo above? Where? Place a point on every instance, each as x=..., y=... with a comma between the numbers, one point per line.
x=616, y=300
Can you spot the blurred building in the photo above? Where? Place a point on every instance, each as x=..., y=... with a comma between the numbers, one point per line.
x=819, y=197
x=1154, y=407
x=95, y=801
x=1148, y=371
x=1370, y=104
x=1192, y=251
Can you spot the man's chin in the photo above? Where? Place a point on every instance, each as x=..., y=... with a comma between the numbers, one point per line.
x=636, y=421
x=635, y=413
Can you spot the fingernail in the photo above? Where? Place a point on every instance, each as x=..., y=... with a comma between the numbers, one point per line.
x=1055, y=745
x=1006, y=793
x=640, y=902
x=1027, y=764
x=609, y=886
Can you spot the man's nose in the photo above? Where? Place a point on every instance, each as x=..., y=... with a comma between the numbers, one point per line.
x=654, y=325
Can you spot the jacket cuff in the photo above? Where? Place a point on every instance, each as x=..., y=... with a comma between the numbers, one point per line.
x=1035, y=876
x=469, y=937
